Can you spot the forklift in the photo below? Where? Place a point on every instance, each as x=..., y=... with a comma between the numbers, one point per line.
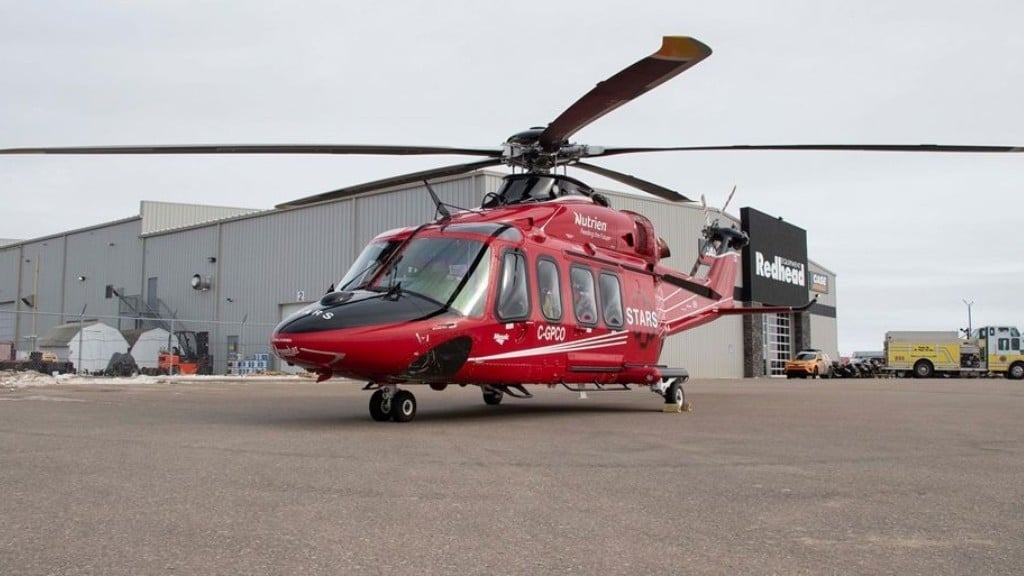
x=191, y=356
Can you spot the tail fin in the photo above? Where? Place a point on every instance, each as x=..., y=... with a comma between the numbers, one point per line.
x=710, y=284
x=719, y=258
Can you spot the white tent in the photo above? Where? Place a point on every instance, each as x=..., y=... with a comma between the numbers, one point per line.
x=88, y=345
x=146, y=348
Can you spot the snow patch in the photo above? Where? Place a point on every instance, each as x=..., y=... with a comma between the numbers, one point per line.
x=14, y=380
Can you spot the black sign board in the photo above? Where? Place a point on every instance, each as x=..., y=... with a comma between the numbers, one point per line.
x=775, y=262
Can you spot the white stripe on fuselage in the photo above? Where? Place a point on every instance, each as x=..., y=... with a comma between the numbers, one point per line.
x=593, y=343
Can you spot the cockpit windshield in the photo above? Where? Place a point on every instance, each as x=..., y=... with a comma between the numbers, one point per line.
x=438, y=267
x=367, y=264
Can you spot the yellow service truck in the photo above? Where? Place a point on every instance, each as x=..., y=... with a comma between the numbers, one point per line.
x=990, y=351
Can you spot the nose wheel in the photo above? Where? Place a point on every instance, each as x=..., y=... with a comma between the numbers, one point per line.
x=389, y=403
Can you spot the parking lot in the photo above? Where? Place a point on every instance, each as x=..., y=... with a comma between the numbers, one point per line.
x=763, y=477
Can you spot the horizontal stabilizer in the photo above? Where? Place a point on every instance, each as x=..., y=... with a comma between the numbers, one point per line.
x=685, y=284
x=768, y=309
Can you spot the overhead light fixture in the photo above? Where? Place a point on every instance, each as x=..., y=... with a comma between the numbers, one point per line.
x=211, y=259
x=29, y=300
x=81, y=278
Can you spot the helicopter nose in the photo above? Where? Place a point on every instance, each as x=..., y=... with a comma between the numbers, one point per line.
x=305, y=351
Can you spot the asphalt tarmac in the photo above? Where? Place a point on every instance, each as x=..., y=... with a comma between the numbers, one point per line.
x=763, y=477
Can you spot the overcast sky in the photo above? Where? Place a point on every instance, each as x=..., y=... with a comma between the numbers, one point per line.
x=909, y=236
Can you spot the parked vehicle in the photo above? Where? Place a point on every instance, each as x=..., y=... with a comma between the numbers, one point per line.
x=991, y=350
x=813, y=363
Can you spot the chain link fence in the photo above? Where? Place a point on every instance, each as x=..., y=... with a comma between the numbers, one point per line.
x=98, y=344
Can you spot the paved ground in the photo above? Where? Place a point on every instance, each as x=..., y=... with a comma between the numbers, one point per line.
x=764, y=477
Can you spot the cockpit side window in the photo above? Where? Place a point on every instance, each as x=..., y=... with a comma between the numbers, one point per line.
x=513, y=295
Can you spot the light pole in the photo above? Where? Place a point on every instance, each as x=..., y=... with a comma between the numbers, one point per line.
x=970, y=329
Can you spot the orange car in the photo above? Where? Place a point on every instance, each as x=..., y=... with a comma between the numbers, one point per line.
x=813, y=363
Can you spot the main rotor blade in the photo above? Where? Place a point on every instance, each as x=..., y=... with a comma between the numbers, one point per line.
x=649, y=187
x=259, y=149
x=820, y=147
x=677, y=53
x=452, y=170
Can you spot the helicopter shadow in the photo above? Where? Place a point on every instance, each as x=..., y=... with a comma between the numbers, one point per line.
x=323, y=418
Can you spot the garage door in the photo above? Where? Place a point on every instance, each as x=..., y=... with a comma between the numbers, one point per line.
x=286, y=311
x=8, y=316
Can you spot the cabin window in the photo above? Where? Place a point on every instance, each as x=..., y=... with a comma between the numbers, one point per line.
x=514, y=297
x=1004, y=344
x=1015, y=344
x=611, y=299
x=548, y=291
x=583, y=302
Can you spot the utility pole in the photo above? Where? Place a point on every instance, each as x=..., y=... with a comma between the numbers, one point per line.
x=970, y=328
x=241, y=336
x=35, y=302
x=81, y=334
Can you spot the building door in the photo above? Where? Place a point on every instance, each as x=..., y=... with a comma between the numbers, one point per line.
x=778, y=342
x=152, y=300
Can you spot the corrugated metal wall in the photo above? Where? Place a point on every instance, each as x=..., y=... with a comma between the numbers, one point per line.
x=100, y=255
x=823, y=335
x=46, y=256
x=172, y=259
x=824, y=329
x=160, y=216
x=10, y=264
x=109, y=255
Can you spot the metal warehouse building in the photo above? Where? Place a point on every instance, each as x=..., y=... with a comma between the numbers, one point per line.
x=234, y=273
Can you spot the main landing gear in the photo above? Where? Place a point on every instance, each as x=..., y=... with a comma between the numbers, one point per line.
x=390, y=403
x=671, y=388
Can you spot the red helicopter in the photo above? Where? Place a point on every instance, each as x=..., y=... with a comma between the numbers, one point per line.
x=545, y=283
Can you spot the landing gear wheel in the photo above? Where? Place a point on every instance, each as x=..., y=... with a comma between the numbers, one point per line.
x=675, y=398
x=403, y=406
x=492, y=397
x=380, y=408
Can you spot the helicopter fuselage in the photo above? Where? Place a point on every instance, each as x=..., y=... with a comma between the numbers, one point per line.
x=556, y=291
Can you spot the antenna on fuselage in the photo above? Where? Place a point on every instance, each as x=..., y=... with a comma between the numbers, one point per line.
x=445, y=214
x=729, y=199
